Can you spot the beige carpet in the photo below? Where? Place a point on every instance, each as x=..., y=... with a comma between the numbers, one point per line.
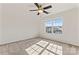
x=38, y=46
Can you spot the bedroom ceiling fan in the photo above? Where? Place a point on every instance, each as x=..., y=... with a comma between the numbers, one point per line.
x=41, y=9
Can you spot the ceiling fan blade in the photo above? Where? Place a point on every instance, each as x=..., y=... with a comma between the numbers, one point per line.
x=38, y=13
x=46, y=12
x=32, y=10
x=47, y=7
x=36, y=5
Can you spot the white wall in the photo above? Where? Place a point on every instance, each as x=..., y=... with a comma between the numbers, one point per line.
x=78, y=23
x=17, y=26
x=70, y=27
x=0, y=23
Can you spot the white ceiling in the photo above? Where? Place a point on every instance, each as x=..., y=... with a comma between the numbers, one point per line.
x=23, y=8
x=56, y=8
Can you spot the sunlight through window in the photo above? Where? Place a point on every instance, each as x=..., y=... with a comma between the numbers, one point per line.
x=44, y=48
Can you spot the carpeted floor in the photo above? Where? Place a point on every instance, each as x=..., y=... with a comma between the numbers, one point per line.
x=38, y=46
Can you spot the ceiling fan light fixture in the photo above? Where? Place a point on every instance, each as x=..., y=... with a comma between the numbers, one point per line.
x=40, y=11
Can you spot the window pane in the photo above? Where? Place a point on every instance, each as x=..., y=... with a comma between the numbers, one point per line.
x=49, y=23
x=57, y=26
x=49, y=29
x=58, y=22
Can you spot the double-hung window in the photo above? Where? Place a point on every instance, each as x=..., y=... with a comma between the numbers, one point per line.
x=54, y=26
x=49, y=26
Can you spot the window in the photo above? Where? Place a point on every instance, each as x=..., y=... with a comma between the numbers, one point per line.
x=54, y=26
